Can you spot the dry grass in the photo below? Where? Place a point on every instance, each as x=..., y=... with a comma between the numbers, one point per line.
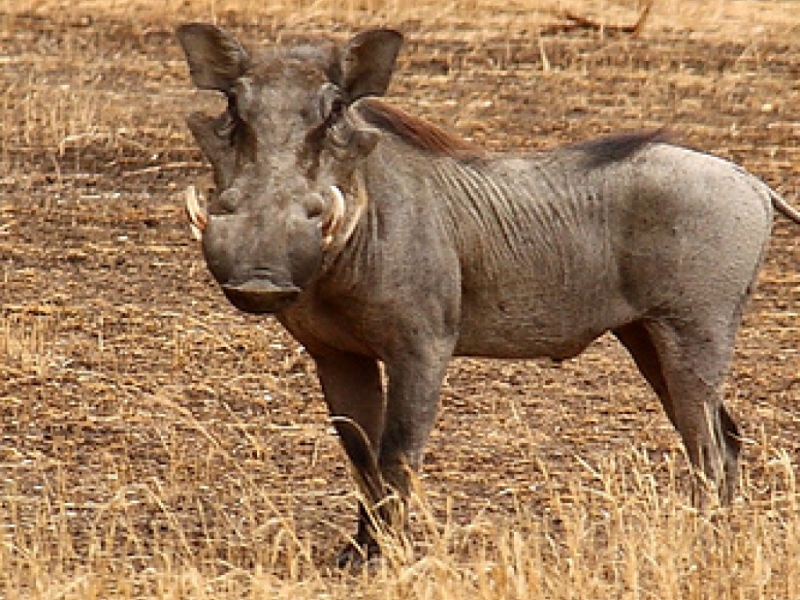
x=729, y=18
x=155, y=444
x=622, y=534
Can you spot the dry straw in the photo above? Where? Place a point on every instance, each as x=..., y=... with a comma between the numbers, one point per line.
x=155, y=445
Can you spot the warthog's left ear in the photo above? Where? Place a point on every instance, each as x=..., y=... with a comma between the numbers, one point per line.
x=367, y=63
x=216, y=59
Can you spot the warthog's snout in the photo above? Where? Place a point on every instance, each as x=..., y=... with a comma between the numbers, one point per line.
x=260, y=295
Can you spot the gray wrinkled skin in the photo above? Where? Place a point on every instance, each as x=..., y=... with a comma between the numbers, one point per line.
x=462, y=254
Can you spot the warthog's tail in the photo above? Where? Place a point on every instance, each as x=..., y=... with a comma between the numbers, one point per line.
x=783, y=207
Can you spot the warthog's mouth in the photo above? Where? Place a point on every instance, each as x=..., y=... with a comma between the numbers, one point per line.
x=260, y=296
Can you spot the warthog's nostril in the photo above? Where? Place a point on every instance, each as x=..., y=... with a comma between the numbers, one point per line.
x=229, y=200
x=315, y=208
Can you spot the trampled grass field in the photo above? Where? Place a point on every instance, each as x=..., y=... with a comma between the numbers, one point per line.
x=155, y=443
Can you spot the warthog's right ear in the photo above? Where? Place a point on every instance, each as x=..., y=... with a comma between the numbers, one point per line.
x=216, y=59
x=367, y=63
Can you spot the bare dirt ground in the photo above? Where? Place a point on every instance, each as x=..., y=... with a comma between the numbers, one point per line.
x=132, y=393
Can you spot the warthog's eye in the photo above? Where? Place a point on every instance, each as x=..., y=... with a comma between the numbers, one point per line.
x=225, y=127
x=331, y=105
x=229, y=122
x=336, y=109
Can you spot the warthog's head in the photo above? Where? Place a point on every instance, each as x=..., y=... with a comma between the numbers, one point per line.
x=284, y=154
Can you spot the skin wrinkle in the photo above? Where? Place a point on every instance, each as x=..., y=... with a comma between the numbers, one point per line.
x=480, y=212
x=485, y=207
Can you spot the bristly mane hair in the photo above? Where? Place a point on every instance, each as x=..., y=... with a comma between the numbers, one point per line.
x=616, y=147
x=430, y=138
x=417, y=132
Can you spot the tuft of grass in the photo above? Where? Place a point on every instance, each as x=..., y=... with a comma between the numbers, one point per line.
x=26, y=336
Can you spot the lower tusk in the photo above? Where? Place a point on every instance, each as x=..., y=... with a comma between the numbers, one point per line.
x=361, y=205
x=197, y=216
x=196, y=233
x=334, y=218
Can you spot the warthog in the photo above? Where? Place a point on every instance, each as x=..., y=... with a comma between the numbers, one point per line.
x=376, y=237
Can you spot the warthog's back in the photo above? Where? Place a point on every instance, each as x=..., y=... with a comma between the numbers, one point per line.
x=572, y=249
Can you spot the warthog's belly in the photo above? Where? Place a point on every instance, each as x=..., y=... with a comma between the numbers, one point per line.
x=537, y=328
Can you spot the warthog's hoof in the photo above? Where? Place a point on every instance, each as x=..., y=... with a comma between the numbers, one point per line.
x=357, y=555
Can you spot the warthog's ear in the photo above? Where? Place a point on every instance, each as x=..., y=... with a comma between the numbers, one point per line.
x=367, y=63
x=216, y=60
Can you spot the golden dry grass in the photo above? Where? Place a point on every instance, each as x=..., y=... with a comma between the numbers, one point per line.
x=155, y=444
x=622, y=535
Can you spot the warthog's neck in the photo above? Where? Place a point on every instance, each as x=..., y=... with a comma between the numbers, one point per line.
x=491, y=212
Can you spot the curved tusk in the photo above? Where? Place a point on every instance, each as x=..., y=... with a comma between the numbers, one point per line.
x=334, y=217
x=197, y=216
x=361, y=205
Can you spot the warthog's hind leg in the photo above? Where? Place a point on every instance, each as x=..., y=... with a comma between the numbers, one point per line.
x=686, y=366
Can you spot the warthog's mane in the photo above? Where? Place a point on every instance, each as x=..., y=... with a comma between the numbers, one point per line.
x=416, y=131
x=616, y=147
x=430, y=138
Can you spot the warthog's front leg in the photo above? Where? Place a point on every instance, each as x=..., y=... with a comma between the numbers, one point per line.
x=384, y=440
x=354, y=394
x=412, y=400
